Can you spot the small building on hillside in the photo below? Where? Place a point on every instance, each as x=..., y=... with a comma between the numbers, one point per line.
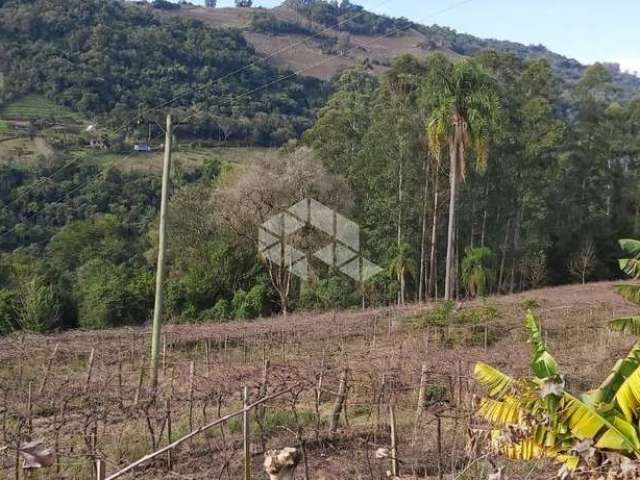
x=142, y=147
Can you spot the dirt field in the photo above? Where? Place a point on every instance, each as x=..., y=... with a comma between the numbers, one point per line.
x=103, y=408
x=304, y=53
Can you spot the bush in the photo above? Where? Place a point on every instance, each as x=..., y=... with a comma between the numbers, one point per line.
x=439, y=316
x=103, y=295
x=220, y=312
x=8, y=314
x=328, y=294
x=252, y=304
x=38, y=307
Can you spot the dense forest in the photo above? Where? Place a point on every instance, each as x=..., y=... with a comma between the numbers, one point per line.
x=110, y=60
x=542, y=175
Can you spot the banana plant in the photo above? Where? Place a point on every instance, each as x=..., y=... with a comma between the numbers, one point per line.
x=536, y=417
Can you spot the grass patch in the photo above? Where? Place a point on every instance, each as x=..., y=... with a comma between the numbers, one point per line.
x=37, y=107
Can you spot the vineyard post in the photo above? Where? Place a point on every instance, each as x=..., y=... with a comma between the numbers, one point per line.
x=245, y=434
x=421, y=400
x=101, y=472
x=394, y=442
x=89, y=369
x=191, y=386
x=337, y=408
x=45, y=377
x=169, y=441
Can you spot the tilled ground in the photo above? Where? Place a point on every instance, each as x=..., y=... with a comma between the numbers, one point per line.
x=85, y=409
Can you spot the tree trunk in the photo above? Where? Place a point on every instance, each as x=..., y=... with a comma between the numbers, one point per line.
x=505, y=245
x=434, y=237
x=423, y=240
x=400, y=179
x=516, y=247
x=483, y=233
x=453, y=183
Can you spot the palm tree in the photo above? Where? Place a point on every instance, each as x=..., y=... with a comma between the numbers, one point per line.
x=464, y=107
x=477, y=268
x=402, y=266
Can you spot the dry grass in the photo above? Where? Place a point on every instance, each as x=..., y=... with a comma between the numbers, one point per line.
x=381, y=348
x=304, y=53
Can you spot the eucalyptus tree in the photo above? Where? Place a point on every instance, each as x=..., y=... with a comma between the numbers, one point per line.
x=465, y=110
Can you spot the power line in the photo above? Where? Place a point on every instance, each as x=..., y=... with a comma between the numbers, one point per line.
x=262, y=87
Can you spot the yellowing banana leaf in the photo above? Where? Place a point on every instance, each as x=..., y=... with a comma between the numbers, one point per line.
x=622, y=370
x=628, y=396
x=631, y=265
x=629, y=325
x=585, y=422
x=629, y=292
x=500, y=413
x=497, y=383
x=525, y=449
x=612, y=441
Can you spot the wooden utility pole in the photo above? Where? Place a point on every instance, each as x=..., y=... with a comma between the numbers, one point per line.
x=157, y=310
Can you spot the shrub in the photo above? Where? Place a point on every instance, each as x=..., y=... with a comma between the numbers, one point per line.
x=439, y=316
x=220, y=312
x=251, y=304
x=8, y=314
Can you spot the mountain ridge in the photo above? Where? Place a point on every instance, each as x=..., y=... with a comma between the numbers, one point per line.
x=377, y=43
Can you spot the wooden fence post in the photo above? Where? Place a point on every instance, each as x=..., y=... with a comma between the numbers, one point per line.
x=89, y=370
x=245, y=434
x=421, y=401
x=45, y=378
x=101, y=472
x=394, y=442
x=337, y=408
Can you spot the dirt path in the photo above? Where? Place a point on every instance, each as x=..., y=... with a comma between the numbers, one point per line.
x=43, y=147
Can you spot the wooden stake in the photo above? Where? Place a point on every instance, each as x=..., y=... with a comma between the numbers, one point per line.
x=45, y=378
x=421, y=400
x=245, y=434
x=89, y=370
x=337, y=408
x=101, y=471
x=394, y=442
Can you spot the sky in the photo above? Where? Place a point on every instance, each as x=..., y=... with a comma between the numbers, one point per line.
x=587, y=30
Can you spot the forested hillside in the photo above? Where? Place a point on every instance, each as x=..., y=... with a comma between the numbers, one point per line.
x=543, y=179
x=113, y=60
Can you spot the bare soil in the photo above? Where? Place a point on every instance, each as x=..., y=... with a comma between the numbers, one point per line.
x=107, y=411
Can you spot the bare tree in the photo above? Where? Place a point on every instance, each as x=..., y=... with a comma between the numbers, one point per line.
x=266, y=188
x=583, y=262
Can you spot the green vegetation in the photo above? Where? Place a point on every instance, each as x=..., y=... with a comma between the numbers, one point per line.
x=266, y=22
x=549, y=422
x=113, y=61
x=552, y=179
x=348, y=16
x=38, y=107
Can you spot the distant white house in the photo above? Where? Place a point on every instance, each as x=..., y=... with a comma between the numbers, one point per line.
x=210, y=3
x=142, y=147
